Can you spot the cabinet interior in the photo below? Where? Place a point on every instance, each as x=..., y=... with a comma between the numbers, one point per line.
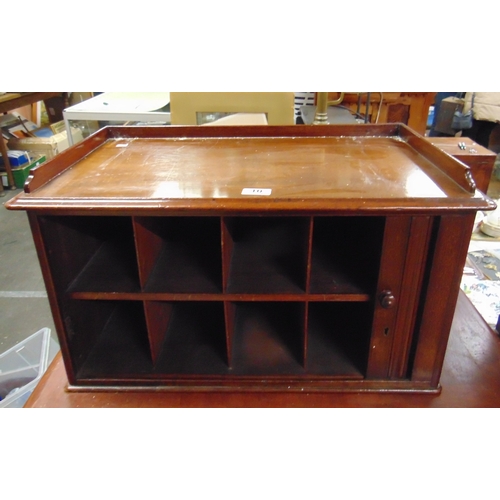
x=218, y=296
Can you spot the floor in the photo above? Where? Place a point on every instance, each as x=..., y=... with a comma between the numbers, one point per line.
x=24, y=307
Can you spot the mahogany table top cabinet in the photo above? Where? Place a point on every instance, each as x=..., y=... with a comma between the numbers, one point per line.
x=257, y=258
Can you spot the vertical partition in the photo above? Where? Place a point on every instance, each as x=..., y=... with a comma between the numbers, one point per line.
x=229, y=322
x=227, y=245
x=148, y=244
x=158, y=316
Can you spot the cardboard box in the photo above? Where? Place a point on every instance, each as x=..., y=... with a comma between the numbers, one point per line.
x=187, y=108
x=22, y=173
x=47, y=146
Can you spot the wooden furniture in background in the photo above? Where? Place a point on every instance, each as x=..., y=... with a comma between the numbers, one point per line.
x=185, y=107
x=306, y=258
x=410, y=108
x=480, y=159
x=9, y=102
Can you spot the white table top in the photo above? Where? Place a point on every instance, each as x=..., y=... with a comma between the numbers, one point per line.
x=120, y=107
x=122, y=102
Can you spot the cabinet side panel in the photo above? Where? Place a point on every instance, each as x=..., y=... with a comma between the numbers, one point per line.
x=52, y=294
x=451, y=246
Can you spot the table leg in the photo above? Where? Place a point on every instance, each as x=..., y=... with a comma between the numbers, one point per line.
x=3, y=151
x=68, y=130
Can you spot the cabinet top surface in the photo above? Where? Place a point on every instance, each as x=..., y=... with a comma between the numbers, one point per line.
x=212, y=172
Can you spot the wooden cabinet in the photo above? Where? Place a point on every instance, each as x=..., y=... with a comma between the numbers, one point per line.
x=478, y=158
x=338, y=271
x=410, y=108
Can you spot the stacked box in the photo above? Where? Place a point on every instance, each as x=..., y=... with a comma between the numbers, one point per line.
x=20, y=174
x=47, y=146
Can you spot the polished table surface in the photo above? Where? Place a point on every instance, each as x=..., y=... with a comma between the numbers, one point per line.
x=470, y=378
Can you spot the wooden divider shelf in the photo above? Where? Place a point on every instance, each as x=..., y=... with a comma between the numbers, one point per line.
x=339, y=271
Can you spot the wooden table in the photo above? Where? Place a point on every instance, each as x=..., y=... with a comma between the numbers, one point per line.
x=410, y=108
x=15, y=101
x=470, y=378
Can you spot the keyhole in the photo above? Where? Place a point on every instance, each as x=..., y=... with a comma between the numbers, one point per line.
x=386, y=332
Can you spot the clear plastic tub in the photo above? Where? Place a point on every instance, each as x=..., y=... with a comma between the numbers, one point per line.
x=22, y=366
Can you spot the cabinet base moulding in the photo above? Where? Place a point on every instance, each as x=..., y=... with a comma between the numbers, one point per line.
x=264, y=386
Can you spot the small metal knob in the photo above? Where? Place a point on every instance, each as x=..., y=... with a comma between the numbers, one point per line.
x=387, y=299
